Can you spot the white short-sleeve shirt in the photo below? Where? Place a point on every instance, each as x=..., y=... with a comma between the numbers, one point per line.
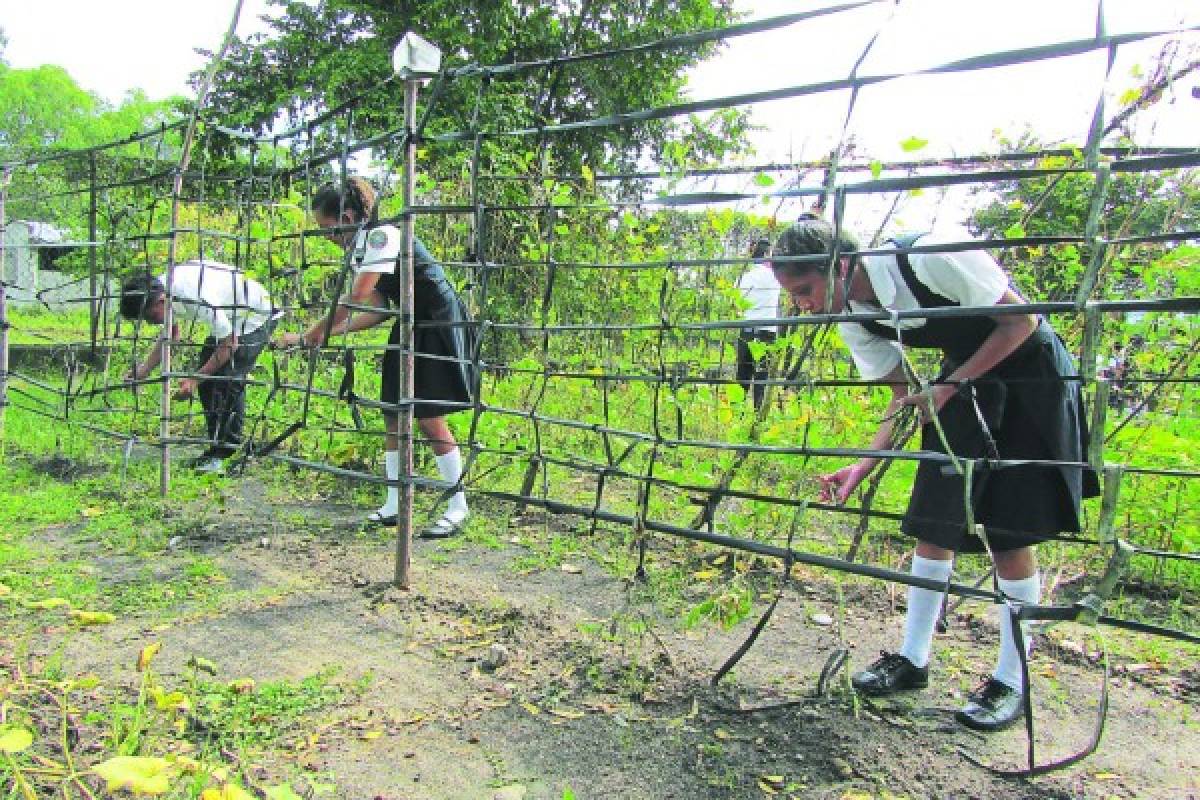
x=219, y=296
x=968, y=277
x=759, y=288
x=377, y=249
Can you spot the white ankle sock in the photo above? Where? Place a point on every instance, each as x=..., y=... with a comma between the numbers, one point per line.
x=1026, y=591
x=924, y=605
x=391, y=467
x=450, y=467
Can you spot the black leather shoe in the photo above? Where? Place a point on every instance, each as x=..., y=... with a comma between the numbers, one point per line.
x=992, y=707
x=891, y=673
x=203, y=458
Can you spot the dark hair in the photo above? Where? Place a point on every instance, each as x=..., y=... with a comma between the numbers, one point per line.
x=138, y=293
x=353, y=194
x=811, y=236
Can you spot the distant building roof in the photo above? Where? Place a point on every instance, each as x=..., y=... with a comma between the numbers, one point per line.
x=42, y=232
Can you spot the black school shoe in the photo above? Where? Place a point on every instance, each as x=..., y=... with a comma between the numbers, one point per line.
x=993, y=706
x=891, y=673
x=208, y=455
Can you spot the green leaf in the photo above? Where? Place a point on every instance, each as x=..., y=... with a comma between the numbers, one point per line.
x=46, y=605
x=763, y=179
x=876, y=169
x=913, y=143
x=1014, y=231
x=14, y=739
x=87, y=618
x=136, y=774
x=281, y=792
x=202, y=665
x=1129, y=97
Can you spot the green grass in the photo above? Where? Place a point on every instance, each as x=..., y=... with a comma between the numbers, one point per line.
x=1155, y=512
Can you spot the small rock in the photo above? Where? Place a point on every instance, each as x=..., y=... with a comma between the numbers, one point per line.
x=514, y=792
x=571, y=569
x=264, y=542
x=359, y=581
x=822, y=619
x=497, y=656
x=843, y=768
x=174, y=542
x=1071, y=646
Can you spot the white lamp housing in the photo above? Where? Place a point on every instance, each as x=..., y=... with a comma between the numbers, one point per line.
x=415, y=57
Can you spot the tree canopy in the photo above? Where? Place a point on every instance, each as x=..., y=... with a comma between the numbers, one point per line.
x=319, y=56
x=44, y=108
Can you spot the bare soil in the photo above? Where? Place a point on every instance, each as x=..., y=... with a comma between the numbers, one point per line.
x=487, y=679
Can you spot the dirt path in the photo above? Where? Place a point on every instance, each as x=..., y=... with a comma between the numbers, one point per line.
x=489, y=681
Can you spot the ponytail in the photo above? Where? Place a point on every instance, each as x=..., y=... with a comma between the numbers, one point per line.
x=354, y=194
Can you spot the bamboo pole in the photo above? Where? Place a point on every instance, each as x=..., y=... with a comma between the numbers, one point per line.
x=407, y=266
x=93, y=300
x=164, y=481
x=5, y=176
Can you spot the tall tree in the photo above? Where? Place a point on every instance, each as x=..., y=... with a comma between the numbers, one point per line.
x=332, y=54
x=47, y=116
x=318, y=56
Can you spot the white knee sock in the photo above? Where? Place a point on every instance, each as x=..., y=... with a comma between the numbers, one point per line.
x=1026, y=591
x=924, y=605
x=450, y=467
x=391, y=466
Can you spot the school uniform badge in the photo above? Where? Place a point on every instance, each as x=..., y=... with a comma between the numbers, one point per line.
x=377, y=239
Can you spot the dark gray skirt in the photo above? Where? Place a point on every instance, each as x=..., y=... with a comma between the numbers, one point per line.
x=443, y=374
x=1032, y=410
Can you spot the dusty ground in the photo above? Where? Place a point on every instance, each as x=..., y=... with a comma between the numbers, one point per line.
x=491, y=679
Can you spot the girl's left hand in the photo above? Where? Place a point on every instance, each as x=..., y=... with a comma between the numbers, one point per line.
x=931, y=401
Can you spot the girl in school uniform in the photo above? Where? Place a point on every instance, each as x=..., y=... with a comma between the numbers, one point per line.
x=1006, y=391
x=443, y=381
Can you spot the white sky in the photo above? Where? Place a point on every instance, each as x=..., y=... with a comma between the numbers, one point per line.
x=110, y=47
x=956, y=112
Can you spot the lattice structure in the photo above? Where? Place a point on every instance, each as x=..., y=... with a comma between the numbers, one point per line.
x=625, y=416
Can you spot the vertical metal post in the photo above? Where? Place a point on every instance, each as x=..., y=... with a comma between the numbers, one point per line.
x=4, y=177
x=407, y=266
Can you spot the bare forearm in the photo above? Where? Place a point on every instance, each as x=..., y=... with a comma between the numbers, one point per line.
x=316, y=335
x=882, y=440
x=361, y=320
x=1010, y=333
x=153, y=358
x=220, y=356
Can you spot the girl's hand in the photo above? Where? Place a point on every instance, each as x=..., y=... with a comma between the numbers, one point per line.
x=286, y=340
x=930, y=402
x=838, y=486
